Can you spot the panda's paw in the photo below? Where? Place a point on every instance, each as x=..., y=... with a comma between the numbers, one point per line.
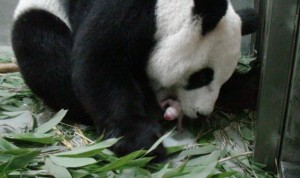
x=141, y=136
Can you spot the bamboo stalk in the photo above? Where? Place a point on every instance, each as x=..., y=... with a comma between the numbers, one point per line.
x=8, y=68
x=234, y=157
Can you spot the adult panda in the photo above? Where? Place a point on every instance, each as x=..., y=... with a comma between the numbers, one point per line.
x=107, y=60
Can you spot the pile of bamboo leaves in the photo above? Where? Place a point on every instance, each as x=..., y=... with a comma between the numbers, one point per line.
x=34, y=142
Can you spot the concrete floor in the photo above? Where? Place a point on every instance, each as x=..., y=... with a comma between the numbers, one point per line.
x=6, y=13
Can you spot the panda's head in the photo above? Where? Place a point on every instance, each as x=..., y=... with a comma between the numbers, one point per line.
x=198, y=46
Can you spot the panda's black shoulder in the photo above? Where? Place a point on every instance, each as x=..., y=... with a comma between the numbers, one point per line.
x=78, y=11
x=125, y=27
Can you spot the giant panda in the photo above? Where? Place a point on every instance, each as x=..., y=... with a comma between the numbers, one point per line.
x=113, y=61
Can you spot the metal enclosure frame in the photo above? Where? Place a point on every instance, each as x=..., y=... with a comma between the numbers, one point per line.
x=290, y=148
x=279, y=105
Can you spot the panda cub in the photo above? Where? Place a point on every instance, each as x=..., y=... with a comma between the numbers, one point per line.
x=115, y=61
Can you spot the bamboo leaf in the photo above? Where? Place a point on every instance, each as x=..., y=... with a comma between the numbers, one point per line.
x=51, y=123
x=159, y=141
x=134, y=172
x=174, y=149
x=15, y=152
x=120, y=162
x=179, y=171
x=34, y=138
x=198, y=151
x=55, y=170
x=162, y=172
x=5, y=158
x=88, y=151
x=79, y=173
x=204, y=160
x=18, y=162
x=5, y=145
x=223, y=175
x=138, y=162
x=202, y=171
x=72, y=162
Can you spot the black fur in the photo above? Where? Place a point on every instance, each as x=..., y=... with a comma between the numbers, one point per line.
x=250, y=20
x=107, y=72
x=42, y=45
x=110, y=56
x=199, y=79
x=211, y=11
x=240, y=91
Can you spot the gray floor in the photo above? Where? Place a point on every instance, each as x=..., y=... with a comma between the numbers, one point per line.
x=6, y=13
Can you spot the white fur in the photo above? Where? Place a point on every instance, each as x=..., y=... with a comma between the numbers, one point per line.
x=57, y=7
x=182, y=50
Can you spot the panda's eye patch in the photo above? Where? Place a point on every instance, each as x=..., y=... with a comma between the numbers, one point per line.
x=200, y=79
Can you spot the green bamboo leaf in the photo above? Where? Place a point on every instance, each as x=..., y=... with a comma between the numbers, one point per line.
x=72, y=162
x=88, y=151
x=5, y=94
x=202, y=171
x=5, y=158
x=55, y=149
x=223, y=175
x=134, y=172
x=34, y=138
x=138, y=162
x=18, y=124
x=204, y=160
x=162, y=172
x=5, y=145
x=174, y=149
x=159, y=141
x=198, y=151
x=4, y=166
x=120, y=163
x=175, y=172
x=16, y=152
x=18, y=162
x=55, y=170
x=247, y=134
x=14, y=114
x=79, y=173
x=242, y=159
x=51, y=123
x=29, y=173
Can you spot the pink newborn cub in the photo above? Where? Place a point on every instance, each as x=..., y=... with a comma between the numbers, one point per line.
x=173, y=111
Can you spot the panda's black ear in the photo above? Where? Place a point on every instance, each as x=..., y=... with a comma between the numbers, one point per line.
x=250, y=20
x=211, y=12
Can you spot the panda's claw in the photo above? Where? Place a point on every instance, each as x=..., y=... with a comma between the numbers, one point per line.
x=140, y=136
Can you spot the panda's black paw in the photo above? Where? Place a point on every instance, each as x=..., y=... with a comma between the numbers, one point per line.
x=141, y=136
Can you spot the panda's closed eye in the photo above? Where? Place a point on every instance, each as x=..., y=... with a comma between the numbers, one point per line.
x=200, y=79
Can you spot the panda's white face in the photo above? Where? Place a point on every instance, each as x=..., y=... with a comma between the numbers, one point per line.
x=183, y=53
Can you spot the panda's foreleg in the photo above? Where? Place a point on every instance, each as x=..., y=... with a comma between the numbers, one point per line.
x=42, y=45
x=114, y=99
